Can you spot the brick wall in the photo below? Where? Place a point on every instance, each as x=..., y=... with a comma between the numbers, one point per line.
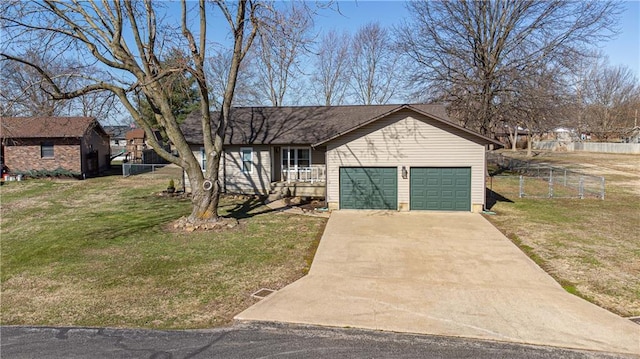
x=94, y=141
x=24, y=155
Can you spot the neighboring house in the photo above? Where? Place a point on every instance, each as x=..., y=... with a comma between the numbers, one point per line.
x=562, y=134
x=77, y=144
x=136, y=143
x=632, y=135
x=118, y=142
x=117, y=135
x=398, y=157
x=138, y=148
x=506, y=137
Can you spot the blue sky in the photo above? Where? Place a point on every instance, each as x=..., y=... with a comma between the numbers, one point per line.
x=625, y=49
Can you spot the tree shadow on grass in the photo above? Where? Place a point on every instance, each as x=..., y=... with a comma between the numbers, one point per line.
x=494, y=197
x=249, y=208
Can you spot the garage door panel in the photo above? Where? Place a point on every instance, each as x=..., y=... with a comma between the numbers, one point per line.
x=368, y=188
x=447, y=194
x=440, y=188
x=447, y=182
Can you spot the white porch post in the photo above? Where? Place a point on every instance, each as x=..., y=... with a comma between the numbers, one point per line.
x=311, y=165
x=288, y=164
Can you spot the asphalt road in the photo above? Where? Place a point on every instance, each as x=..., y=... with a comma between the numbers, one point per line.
x=257, y=341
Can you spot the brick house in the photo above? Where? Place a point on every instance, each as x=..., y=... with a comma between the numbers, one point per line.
x=136, y=144
x=76, y=144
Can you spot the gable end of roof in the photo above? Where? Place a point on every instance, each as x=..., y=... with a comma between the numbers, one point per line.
x=484, y=139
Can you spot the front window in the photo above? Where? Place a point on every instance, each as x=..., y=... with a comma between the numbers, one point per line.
x=46, y=150
x=304, y=157
x=296, y=157
x=203, y=158
x=247, y=159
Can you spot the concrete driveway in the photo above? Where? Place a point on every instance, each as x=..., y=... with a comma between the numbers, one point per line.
x=450, y=274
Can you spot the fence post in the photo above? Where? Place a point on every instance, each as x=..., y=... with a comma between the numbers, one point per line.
x=565, y=178
x=602, y=188
x=550, y=182
x=521, y=194
x=581, y=188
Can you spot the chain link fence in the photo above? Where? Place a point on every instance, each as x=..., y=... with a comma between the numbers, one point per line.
x=535, y=180
x=131, y=169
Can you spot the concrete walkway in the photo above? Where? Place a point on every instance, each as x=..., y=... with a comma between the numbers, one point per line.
x=449, y=274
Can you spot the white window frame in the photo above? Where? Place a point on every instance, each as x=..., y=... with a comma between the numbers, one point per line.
x=294, y=160
x=243, y=150
x=203, y=159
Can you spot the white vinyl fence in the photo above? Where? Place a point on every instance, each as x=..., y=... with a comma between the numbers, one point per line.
x=602, y=147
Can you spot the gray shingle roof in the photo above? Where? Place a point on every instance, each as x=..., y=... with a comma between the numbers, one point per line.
x=303, y=125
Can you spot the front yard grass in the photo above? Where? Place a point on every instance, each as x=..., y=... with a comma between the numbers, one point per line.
x=101, y=252
x=589, y=246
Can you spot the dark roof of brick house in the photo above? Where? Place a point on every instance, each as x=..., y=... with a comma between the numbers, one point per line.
x=48, y=127
x=297, y=125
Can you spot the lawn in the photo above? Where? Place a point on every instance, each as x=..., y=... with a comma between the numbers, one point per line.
x=590, y=246
x=101, y=252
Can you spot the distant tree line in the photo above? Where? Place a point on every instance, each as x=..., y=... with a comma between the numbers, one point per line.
x=500, y=66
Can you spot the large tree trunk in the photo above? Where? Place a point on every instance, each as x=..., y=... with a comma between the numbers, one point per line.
x=205, y=196
x=205, y=205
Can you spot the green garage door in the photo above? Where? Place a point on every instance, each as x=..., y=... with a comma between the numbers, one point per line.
x=368, y=188
x=441, y=189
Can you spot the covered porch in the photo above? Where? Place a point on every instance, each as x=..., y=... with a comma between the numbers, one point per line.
x=298, y=171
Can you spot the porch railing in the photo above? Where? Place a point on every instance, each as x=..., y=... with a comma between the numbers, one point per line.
x=304, y=174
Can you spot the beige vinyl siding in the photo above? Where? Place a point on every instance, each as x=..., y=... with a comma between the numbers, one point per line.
x=318, y=155
x=408, y=139
x=258, y=180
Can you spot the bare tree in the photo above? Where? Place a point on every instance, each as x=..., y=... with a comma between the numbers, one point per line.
x=539, y=102
x=21, y=90
x=25, y=92
x=610, y=98
x=282, y=41
x=127, y=39
x=218, y=73
x=466, y=52
x=373, y=65
x=331, y=76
